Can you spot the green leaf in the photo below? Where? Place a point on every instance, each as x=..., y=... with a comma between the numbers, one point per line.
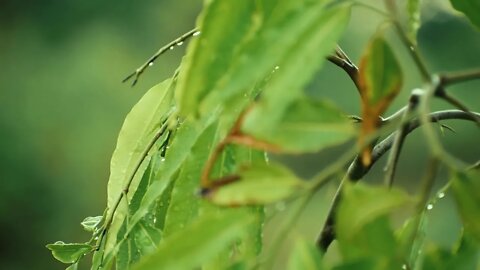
x=305, y=256
x=258, y=184
x=69, y=253
x=72, y=267
x=295, y=69
x=465, y=257
x=375, y=240
x=411, y=238
x=380, y=74
x=380, y=80
x=137, y=132
x=471, y=8
x=286, y=24
x=466, y=190
x=128, y=252
x=199, y=242
x=306, y=126
x=362, y=204
x=249, y=246
x=359, y=264
x=146, y=237
x=184, y=203
x=90, y=224
x=179, y=150
x=413, y=8
x=224, y=26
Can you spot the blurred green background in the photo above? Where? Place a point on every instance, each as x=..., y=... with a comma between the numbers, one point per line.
x=62, y=104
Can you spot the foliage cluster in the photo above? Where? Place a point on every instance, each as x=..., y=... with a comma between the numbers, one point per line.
x=190, y=179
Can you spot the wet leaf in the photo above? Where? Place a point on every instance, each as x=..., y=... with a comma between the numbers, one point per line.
x=306, y=126
x=69, y=253
x=200, y=241
x=138, y=130
x=89, y=224
x=258, y=185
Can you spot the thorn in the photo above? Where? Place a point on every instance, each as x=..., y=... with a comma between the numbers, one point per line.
x=448, y=127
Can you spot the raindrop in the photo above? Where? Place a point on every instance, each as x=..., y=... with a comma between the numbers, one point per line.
x=171, y=47
x=154, y=220
x=277, y=67
x=150, y=64
x=96, y=238
x=412, y=48
x=180, y=43
x=441, y=195
x=196, y=33
x=429, y=206
x=163, y=159
x=404, y=266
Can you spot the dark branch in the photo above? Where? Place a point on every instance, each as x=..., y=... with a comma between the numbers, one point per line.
x=453, y=78
x=357, y=170
x=341, y=60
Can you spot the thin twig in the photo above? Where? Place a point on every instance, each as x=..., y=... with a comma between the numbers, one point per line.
x=136, y=74
x=441, y=93
x=357, y=170
x=341, y=60
x=400, y=136
x=412, y=48
x=458, y=77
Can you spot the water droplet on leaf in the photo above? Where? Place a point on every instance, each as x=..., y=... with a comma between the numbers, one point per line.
x=429, y=206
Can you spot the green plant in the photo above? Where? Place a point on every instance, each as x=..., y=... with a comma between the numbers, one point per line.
x=189, y=177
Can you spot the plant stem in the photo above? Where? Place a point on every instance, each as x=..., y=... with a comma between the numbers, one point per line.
x=399, y=139
x=342, y=60
x=411, y=47
x=453, y=78
x=161, y=51
x=357, y=170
